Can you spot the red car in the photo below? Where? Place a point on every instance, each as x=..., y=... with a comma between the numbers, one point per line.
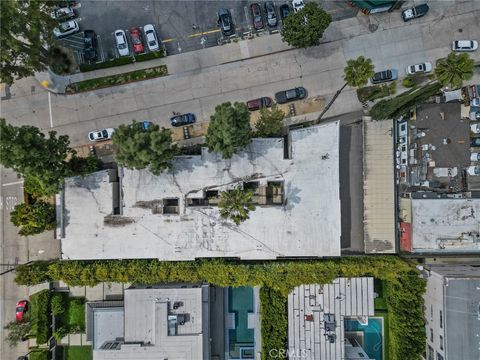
x=259, y=103
x=137, y=40
x=21, y=310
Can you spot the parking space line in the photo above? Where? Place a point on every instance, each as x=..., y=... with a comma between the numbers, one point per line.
x=204, y=33
x=50, y=109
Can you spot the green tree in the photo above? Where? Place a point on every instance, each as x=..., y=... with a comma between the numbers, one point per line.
x=17, y=332
x=229, y=129
x=25, y=34
x=270, y=123
x=454, y=69
x=139, y=148
x=305, y=28
x=236, y=204
x=33, y=218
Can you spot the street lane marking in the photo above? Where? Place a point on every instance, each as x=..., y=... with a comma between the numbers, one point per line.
x=13, y=183
x=50, y=109
x=204, y=32
x=168, y=40
x=10, y=202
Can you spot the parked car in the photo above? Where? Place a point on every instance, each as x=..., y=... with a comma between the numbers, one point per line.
x=297, y=93
x=259, y=103
x=225, y=22
x=473, y=170
x=419, y=68
x=475, y=115
x=21, y=309
x=464, y=45
x=475, y=102
x=284, y=11
x=64, y=13
x=384, y=76
x=137, y=40
x=66, y=28
x=121, y=41
x=475, y=128
x=256, y=16
x=475, y=142
x=414, y=12
x=22, y=358
x=297, y=5
x=151, y=36
x=101, y=135
x=271, y=14
x=89, y=46
x=146, y=124
x=475, y=156
x=183, y=119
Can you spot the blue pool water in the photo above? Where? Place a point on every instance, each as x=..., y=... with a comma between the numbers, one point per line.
x=373, y=336
x=241, y=339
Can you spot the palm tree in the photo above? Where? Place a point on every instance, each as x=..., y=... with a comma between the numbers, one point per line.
x=454, y=69
x=356, y=74
x=236, y=204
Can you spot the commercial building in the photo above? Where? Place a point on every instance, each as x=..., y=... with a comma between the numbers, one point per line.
x=452, y=312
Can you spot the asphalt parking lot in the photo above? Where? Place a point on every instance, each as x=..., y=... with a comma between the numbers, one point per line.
x=181, y=25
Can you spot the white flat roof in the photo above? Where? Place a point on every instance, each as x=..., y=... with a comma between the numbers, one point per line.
x=445, y=225
x=306, y=224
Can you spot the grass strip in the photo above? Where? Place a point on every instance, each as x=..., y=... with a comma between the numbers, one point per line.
x=122, y=61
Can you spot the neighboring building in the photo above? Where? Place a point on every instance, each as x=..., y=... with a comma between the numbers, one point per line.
x=174, y=216
x=328, y=322
x=375, y=6
x=452, y=312
x=155, y=322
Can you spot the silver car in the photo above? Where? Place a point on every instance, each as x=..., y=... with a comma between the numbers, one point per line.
x=271, y=14
x=66, y=28
x=121, y=41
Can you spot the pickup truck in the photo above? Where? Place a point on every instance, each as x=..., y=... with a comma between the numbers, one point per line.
x=415, y=12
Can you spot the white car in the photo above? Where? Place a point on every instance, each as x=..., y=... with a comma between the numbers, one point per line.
x=100, y=135
x=464, y=45
x=475, y=156
x=121, y=41
x=151, y=36
x=63, y=13
x=298, y=5
x=475, y=128
x=66, y=28
x=419, y=68
x=473, y=170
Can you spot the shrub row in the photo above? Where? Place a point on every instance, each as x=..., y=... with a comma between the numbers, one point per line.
x=40, y=316
x=274, y=322
x=123, y=61
x=371, y=93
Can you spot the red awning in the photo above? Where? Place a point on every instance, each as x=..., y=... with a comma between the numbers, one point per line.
x=406, y=236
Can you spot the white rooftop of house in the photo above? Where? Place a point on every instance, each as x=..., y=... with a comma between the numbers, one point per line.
x=162, y=323
x=174, y=216
x=316, y=316
x=446, y=225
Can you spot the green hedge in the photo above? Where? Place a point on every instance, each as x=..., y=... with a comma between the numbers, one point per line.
x=39, y=354
x=40, y=316
x=274, y=322
x=123, y=61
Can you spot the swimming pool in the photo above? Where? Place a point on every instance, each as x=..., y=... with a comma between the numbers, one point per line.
x=373, y=335
x=241, y=340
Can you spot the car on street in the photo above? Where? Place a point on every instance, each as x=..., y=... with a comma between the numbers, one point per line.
x=284, y=11
x=256, y=16
x=419, y=68
x=183, y=119
x=121, y=41
x=475, y=128
x=464, y=45
x=384, y=76
x=414, y=12
x=225, y=22
x=473, y=170
x=101, y=135
x=137, y=40
x=271, y=14
x=475, y=142
x=66, y=28
x=475, y=115
x=297, y=5
x=21, y=309
x=151, y=36
x=89, y=46
x=285, y=96
x=475, y=156
x=63, y=14
x=256, y=104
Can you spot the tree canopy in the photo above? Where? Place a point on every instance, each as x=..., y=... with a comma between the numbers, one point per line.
x=305, y=28
x=236, y=204
x=358, y=71
x=454, y=69
x=270, y=123
x=25, y=34
x=33, y=218
x=139, y=148
x=229, y=129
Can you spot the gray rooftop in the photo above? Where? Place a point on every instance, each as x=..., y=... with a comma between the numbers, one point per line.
x=445, y=225
x=311, y=307
x=173, y=216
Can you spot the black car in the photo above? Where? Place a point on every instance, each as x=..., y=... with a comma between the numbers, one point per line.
x=89, y=46
x=225, y=22
x=184, y=119
x=284, y=11
x=384, y=76
x=475, y=142
x=415, y=12
x=285, y=96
